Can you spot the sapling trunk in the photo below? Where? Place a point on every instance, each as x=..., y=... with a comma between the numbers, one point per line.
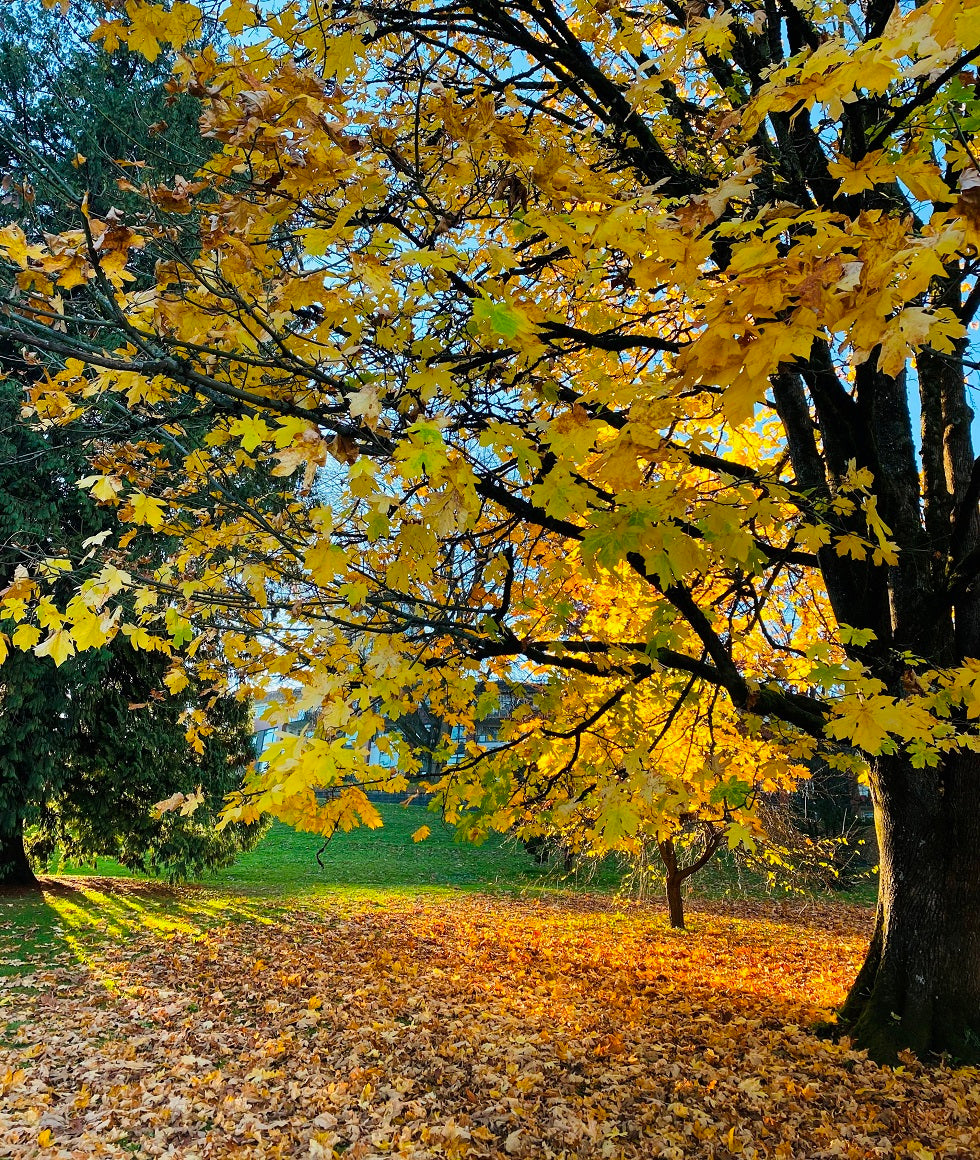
x=676, y=874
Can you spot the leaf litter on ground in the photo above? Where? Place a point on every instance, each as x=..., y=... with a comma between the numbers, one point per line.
x=466, y=1027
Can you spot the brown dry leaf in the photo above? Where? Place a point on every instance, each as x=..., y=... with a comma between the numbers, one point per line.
x=472, y=1027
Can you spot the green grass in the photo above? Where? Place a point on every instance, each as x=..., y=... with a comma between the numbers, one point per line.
x=388, y=858
x=285, y=862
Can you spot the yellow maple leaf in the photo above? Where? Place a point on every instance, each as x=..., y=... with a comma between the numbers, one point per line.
x=145, y=509
x=58, y=646
x=105, y=488
x=141, y=639
x=237, y=16
x=251, y=431
x=25, y=636
x=13, y=244
x=74, y=274
x=111, y=32
x=904, y=334
x=141, y=36
x=88, y=630
x=184, y=23
x=176, y=680
x=325, y=561
x=867, y=722
x=852, y=545
x=365, y=404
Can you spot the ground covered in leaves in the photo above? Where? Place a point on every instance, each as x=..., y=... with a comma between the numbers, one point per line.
x=473, y=1026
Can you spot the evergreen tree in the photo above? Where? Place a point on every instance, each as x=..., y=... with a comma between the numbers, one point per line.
x=88, y=748
x=55, y=132
x=80, y=766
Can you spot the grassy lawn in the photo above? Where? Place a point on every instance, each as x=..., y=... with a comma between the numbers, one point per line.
x=285, y=862
x=285, y=865
x=388, y=858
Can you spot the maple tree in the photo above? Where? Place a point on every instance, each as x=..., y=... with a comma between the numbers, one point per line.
x=583, y=341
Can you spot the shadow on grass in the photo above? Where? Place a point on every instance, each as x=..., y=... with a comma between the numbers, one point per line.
x=31, y=933
x=67, y=917
x=117, y=906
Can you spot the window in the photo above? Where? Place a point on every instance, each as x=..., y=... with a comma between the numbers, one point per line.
x=262, y=740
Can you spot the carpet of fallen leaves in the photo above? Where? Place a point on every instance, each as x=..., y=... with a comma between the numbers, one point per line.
x=469, y=1027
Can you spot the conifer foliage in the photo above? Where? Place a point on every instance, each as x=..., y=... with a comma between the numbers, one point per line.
x=88, y=748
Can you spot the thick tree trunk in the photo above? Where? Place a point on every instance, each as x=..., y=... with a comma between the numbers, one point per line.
x=920, y=985
x=15, y=868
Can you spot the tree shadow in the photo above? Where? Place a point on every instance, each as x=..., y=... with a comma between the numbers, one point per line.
x=121, y=906
x=64, y=920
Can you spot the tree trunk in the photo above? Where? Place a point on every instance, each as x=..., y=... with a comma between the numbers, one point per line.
x=15, y=868
x=920, y=985
x=674, y=880
x=675, y=903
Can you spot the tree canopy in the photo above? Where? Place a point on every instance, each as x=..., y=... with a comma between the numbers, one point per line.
x=588, y=343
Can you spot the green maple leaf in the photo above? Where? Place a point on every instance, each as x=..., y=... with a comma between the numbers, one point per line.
x=496, y=318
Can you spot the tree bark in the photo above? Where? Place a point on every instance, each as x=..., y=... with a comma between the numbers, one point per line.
x=677, y=875
x=675, y=903
x=674, y=879
x=919, y=988
x=15, y=867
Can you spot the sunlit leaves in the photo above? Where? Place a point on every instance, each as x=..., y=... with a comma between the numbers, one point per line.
x=252, y=432
x=57, y=645
x=13, y=244
x=463, y=1027
x=104, y=487
x=144, y=509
